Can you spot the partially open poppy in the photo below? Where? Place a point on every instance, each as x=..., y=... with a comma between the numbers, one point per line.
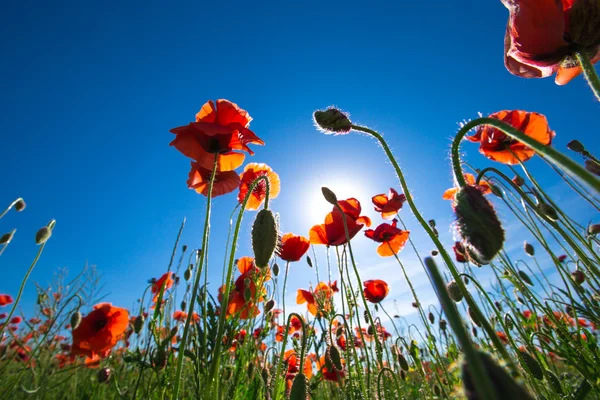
x=376, y=290
x=246, y=285
x=497, y=146
x=543, y=35
x=225, y=181
x=484, y=186
x=392, y=239
x=388, y=205
x=100, y=330
x=218, y=131
x=292, y=247
x=252, y=172
x=332, y=232
x=317, y=301
x=5, y=300
x=163, y=283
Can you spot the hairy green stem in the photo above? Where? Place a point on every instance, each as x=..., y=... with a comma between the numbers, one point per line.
x=591, y=76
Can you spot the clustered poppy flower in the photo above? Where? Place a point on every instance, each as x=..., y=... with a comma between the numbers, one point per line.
x=388, y=205
x=292, y=247
x=163, y=283
x=543, y=35
x=252, y=172
x=5, y=300
x=497, y=146
x=317, y=301
x=376, y=290
x=392, y=239
x=332, y=232
x=99, y=331
x=484, y=186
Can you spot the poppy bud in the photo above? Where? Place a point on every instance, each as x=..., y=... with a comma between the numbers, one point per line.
x=546, y=210
x=431, y=223
x=264, y=237
x=578, y=276
x=531, y=365
x=160, y=358
x=443, y=324
x=42, y=235
x=498, y=305
x=269, y=306
x=329, y=196
x=436, y=390
x=593, y=229
x=75, y=319
x=104, y=375
x=466, y=279
x=7, y=237
x=517, y=180
x=576, y=146
x=474, y=317
x=454, y=291
x=332, y=120
x=276, y=269
x=184, y=248
x=497, y=191
x=299, y=388
x=183, y=305
x=529, y=249
x=474, y=331
x=402, y=361
x=478, y=225
x=309, y=261
x=138, y=324
x=20, y=205
x=333, y=354
x=431, y=317
x=434, y=253
x=266, y=376
x=415, y=304
x=508, y=322
x=525, y=278
x=592, y=166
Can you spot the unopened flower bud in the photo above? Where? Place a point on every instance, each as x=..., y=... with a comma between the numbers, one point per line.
x=454, y=291
x=42, y=235
x=594, y=229
x=138, y=324
x=578, y=276
x=184, y=248
x=299, y=389
x=525, y=278
x=531, y=365
x=402, y=361
x=7, y=237
x=75, y=319
x=576, y=146
x=269, y=306
x=497, y=191
x=104, y=375
x=332, y=120
x=547, y=211
x=431, y=317
x=20, y=205
x=529, y=249
x=264, y=237
x=187, y=274
x=335, y=358
x=443, y=324
x=276, y=269
x=329, y=196
x=474, y=317
x=517, y=180
x=434, y=253
x=183, y=305
x=309, y=261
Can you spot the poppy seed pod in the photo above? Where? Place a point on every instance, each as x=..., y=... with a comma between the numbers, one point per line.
x=299, y=388
x=104, y=375
x=478, y=225
x=329, y=196
x=529, y=249
x=264, y=237
x=7, y=237
x=576, y=146
x=332, y=120
x=75, y=319
x=42, y=235
x=454, y=291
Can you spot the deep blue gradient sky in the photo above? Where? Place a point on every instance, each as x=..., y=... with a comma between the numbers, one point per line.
x=89, y=91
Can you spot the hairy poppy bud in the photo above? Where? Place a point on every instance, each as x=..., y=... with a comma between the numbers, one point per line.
x=529, y=249
x=20, y=205
x=187, y=274
x=183, y=305
x=332, y=120
x=517, y=180
x=436, y=390
x=478, y=225
x=531, y=365
x=402, y=361
x=299, y=388
x=576, y=146
x=434, y=253
x=474, y=317
x=138, y=324
x=498, y=305
x=7, y=237
x=578, y=276
x=443, y=324
x=454, y=291
x=592, y=166
x=42, y=235
x=104, y=375
x=366, y=316
x=415, y=304
x=276, y=269
x=184, y=248
x=266, y=376
x=431, y=317
x=160, y=358
x=309, y=261
x=497, y=191
x=264, y=237
x=333, y=354
x=269, y=306
x=593, y=229
x=329, y=196
x=525, y=278
x=547, y=211
x=75, y=319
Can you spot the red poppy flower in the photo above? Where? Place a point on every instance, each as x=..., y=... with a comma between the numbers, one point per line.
x=248, y=282
x=5, y=300
x=293, y=247
x=332, y=232
x=225, y=181
x=317, y=301
x=165, y=281
x=376, y=290
x=484, y=186
x=388, y=205
x=252, y=172
x=179, y=316
x=502, y=336
x=459, y=252
x=334, y=287
x=218, y=130
x=542, y=36
x=100, y=330
x=293, y=365
x=16, y=320
x=497, y=146
x=391, y=238
x=3, y=315
x=328, y=375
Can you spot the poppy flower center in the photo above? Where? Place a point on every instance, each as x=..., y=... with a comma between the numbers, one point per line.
x=214, y=146
x=99, y=324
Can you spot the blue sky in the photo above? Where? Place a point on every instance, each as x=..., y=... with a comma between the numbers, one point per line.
x=90, y=91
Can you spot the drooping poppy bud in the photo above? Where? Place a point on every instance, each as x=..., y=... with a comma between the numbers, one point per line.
x=594, y=229
x=138, y=324
x=332, y=120
x=454, y=291
x=75, y=319
x=525, y=278
x=7, y=237
x=443, y=324
x=187, y=274
x=104, y=375
x=576, y=146
x=264, y=237
x=478, y=225
x=431, y=317
x=531, y=365
x=529, y=249
x=269, y=306
x=299, y=388
x=517, y=180
x=276, y=269
x=333, y=355
x=474, y=317
x=20, y=205
x=43, y=235
x=578, y=276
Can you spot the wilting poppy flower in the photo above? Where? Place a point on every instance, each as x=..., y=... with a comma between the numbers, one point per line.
x=16, y=320
x=5, y=300
x=165, y=281
x=217, y=132
x=391, y=238
x=292, y=247
x=100, y=330
x=543, y=35
x=252, y=172
x=388, y=205
x=484, y=186
x=316, y=301
x=497, y=146
x=332, y=232
x=376, y=290
x=225, y=181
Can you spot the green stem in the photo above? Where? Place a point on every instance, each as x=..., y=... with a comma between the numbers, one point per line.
x=591, y=76
x=180, y=355
x=287, y=268
x=555, y=156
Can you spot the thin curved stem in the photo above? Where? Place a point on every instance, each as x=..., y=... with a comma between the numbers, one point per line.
x=591, y=76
